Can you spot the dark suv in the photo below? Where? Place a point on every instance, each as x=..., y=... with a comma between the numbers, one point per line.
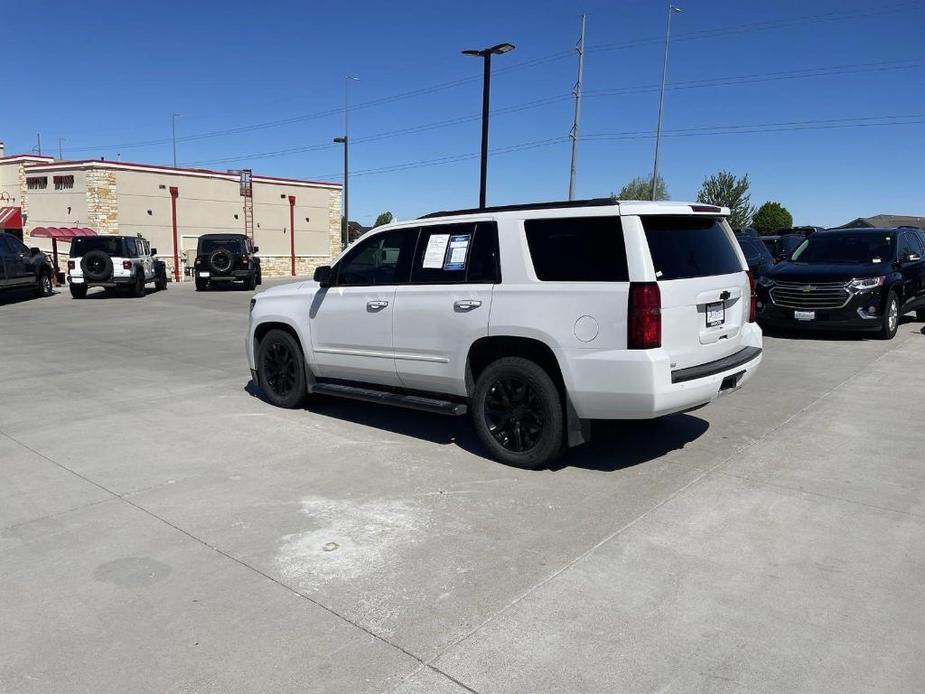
x=22, y=267
x=226, y=258
x=848, y=279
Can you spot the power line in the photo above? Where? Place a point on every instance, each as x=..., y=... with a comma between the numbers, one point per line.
x=542, y=60
x=730, y=80
x=785, y=126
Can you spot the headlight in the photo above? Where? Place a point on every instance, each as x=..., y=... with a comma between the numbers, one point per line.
x=765, y=282
x=866, y=283
x=253, y=301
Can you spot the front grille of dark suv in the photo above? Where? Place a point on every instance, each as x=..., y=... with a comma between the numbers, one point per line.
x=810, y=295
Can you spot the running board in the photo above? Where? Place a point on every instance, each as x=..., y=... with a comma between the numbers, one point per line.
x=411, y=402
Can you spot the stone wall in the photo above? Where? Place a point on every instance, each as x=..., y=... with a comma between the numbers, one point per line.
x=334, y=222
x=102, y=202
x=281, y=266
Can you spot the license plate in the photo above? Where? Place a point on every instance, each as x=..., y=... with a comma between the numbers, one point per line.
x=77, y=280
x=804, y=315
x=203, y=274
x=716, y=314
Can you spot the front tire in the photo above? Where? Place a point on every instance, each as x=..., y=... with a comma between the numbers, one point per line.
x=78, y=291
x=281, y=369
x=517, y=413
x=890, y=319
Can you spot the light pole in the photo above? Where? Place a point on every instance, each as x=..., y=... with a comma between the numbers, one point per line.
x=60, y=150
x=345, y=141
x=661, y=96
x=486, y=54
x=173, y=135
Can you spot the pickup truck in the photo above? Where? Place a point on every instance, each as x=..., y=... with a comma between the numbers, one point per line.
x=22, y=267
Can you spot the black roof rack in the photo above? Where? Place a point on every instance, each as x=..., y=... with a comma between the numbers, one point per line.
x=594, y=202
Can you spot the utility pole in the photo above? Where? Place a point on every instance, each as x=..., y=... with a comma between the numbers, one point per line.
x=38, y=143
x=576, y=92
x=661, y=96
x=60, y=151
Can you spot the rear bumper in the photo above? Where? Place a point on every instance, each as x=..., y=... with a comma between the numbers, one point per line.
x=234, y=275
x=630, y=384
x=111, y=282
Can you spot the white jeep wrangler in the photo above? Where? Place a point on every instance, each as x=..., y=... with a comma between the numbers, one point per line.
x=114, y=262
x=535, y=318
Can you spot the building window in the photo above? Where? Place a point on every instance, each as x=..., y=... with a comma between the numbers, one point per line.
x=64, y=182
x=37, y=182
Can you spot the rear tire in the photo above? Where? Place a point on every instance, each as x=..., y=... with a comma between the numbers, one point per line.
x=517, y=413
x=138, y=289
x=161, y=282
x=43, y=285
x=281, y=369
x=78, y=291
x=201, y=285
x=259, y=276
x=920, y=314
x=890, y=319
x=250, y=282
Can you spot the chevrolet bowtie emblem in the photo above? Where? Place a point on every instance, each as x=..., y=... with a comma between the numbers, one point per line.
x=808, y=288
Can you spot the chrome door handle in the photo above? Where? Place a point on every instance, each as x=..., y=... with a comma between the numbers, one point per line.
x=466, y=304
x=376, y=305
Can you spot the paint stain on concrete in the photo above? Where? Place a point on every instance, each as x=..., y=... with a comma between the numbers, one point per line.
x=132, y=572
x=349, y=540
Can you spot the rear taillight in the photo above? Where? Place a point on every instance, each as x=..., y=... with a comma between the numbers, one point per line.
x=644, y=320
x=70, y=265
x=752, y=309
x=126, y=264
x=245, y=259
x=198, y=260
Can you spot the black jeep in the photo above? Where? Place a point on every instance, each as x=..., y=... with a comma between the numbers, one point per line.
x=226, y=258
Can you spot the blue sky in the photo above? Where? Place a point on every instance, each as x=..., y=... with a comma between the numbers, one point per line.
x=107, y=75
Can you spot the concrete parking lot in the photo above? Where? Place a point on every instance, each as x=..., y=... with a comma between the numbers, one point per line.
x=162, y=529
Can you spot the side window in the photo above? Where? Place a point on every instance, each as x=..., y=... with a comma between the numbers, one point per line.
x=749, y=250
x=920, y=239
x=4, y=247
x=130, y=249
x=381, y=259
x=17, y=246
x=577, y=249
x=484, y=258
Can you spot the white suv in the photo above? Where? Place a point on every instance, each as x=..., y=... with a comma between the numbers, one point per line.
x=536, y=318
x=113, y=262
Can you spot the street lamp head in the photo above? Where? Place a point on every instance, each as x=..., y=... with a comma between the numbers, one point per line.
x=340, y=140
x=676, y=9
x=472, y=52
x=501, y=48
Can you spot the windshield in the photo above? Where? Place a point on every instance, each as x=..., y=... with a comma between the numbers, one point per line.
x=854, y=248
x=110, y=245
x=207, y=246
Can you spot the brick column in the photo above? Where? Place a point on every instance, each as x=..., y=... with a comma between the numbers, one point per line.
x=102, y=202
x=334, y=225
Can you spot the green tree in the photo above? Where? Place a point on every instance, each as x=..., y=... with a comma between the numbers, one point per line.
x=383, y=218
x=640, y=188
x=725, y=190
x=770, y=217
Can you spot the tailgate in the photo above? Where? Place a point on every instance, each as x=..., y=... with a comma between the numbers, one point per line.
x=705, y=291
x=702, y=317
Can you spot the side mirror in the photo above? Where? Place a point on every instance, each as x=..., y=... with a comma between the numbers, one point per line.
x=35, y=251
x=256, y=249
x=324, y=275
x=153, y=251
x=911, y=258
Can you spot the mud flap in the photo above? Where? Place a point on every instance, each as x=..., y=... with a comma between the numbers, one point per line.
x=578, y=430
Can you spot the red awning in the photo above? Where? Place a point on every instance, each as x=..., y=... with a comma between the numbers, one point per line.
x=10, y=218
x=61, y=233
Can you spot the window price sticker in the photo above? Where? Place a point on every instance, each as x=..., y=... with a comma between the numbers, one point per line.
x=457, y=251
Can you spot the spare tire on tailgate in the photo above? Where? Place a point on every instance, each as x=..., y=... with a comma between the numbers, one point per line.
x=96, y=266
x=221, y=261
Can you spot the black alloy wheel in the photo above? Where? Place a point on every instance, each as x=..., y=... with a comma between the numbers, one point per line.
x=96, y=266
x=514, y=414
x=281, y=369
x=44, y=286
x=517, y=413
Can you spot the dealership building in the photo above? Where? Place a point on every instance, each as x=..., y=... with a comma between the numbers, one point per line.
x=296, y=223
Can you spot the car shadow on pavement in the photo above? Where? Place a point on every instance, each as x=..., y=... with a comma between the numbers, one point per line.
x=828, y=335
x=18, y=296
x=614, y=445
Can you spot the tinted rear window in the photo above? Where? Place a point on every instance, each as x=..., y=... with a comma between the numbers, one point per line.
x=577, y=249
x=110, y=245
x=684, y=247
x=207, y=246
